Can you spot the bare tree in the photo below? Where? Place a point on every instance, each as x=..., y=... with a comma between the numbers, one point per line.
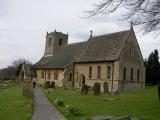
x=16, y=63
x=140, y=12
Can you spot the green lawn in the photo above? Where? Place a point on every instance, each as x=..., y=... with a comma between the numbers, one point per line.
x=142, y=104
x=13, y=106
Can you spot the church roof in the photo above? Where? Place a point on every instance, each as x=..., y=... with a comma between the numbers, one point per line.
x=29, y=69
x=103, y=48
x=99, y=48
x=61, y=57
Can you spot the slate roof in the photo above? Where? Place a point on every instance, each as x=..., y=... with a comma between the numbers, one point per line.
x=99, y=48
x=29, y=69
x=103, y=48
x=61, y=57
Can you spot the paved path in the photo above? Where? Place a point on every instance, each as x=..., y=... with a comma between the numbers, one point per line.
x=43, y=109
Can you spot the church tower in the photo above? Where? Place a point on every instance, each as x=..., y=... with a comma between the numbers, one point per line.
x=53, y=41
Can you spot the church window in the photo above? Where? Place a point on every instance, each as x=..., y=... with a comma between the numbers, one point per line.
x=49, y=74
x=42, y=74
x=70, y=77
x=90, y=72
x=98, y=72
x=124, y=73
x=108, y=72
x=49, y=42
x=138, y=72
x=55, y=75
x=60, y=41
x=131, y=73
x=77, y=76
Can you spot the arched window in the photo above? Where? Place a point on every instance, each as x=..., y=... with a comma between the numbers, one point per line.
x=98, y=72
x=138, y=72
x=90, y=72
x=55, y=75
x=42, y=74
x=124, y=73
x=49, y=74
x=70, y=77
x=108, y=72
x=131, y=73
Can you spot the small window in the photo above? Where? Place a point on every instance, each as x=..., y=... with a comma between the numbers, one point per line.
x=70, y=77
x=49, y=74
x=42, y=74
x=55, y=75
x=109, y=72
x=131, y=73
x=60, y=41
x=98, y=72
x=130, y=50
x=49, y=42
x=138, y=72
x=90, y=72
x=124, y=73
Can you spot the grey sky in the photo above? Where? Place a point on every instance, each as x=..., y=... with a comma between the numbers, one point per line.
x=24, y=23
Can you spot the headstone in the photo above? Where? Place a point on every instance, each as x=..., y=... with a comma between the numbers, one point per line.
x=47, y=84
x=52, y=85
x=105, y=86
x=27, y=90
x=84, y=89
x=96, y=89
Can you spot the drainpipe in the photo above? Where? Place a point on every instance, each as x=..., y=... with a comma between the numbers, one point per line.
x=112, y=77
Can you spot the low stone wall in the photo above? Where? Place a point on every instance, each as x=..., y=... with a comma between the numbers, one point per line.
x=130, y=85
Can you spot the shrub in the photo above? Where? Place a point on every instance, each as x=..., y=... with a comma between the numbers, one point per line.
x=72, y=109
x=59, y=102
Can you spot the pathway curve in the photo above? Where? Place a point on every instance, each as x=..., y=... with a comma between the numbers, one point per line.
x=43, y=109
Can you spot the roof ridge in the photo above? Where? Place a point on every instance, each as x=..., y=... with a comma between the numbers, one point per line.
x=111, y=33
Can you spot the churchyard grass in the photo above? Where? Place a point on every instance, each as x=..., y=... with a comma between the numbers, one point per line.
x=142, y=104
x=13, y=105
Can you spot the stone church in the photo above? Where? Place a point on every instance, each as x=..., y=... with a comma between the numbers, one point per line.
x=114, y=58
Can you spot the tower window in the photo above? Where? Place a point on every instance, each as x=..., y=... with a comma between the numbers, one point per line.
x=60, y=41
x=49, y=42
x=55, y=75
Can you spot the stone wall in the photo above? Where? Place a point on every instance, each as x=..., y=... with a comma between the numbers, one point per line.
x=82, y=70
x=58, y=81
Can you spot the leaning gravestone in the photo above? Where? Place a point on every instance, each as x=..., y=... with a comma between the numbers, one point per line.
x=27, y=89
x=105, y=86
x=96, y=88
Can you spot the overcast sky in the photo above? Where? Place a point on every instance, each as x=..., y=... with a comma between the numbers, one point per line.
x=24, y=23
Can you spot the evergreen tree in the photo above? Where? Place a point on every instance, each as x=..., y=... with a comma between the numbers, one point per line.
x=152, y=68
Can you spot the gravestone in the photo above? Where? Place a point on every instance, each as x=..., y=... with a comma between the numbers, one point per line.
x=96, y=89
x=84, y=89
x=47, y=84
x=105, y=86
x=27, y=90
x=52, y=85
